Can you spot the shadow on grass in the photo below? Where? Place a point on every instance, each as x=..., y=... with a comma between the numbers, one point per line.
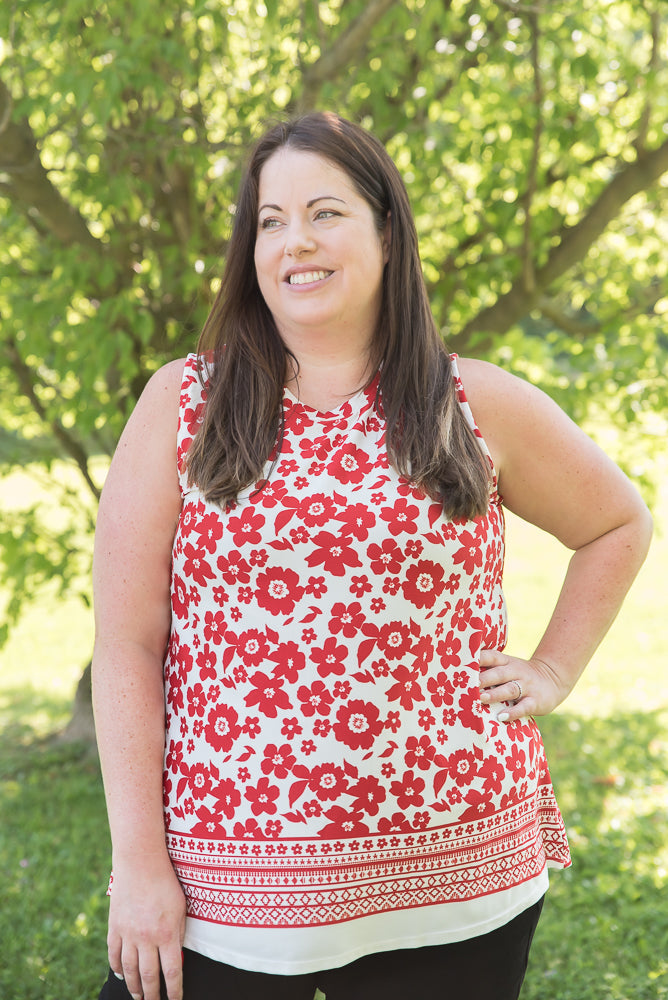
x=603, y=936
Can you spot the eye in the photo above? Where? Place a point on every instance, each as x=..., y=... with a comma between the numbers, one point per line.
x=269, y=223
x=326, y=213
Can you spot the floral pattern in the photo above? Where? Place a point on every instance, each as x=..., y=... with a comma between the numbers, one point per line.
x=322, y=688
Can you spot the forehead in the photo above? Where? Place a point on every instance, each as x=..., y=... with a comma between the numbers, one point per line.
x=297, y=173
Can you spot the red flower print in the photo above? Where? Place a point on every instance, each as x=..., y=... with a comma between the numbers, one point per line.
x=222, y=728
x=400, y=517
x=251, y=645
x=196, y=566
x=246, y=529
x=419, y=753
x=470, y=711
x=394, y=640
x=316, y=510
x=330, y=657
x=341, y=689
x=385, y=558
x=359, y=586
x=448, y=649
x=369, y=795
x=199, y=780
x=414, y=547
x=334, y=553
x=357, y=519
x=321, y=727
x=214, y=627
x=196, y=700
x=315, y=698
x=250, y=830
x=227, y=796
x=268, y=695
x=462, y=614
x=462, y=766
x=209, y=824
x=291, y=728
x=180, y=599
x=357, y=724
x=453, y=582
x=479, y=804
x=327, y=781
x=350, y=464
x=289, y=660
x=262, y=797
x=233, y=568
x=423, y=583
x=174, y=757
x=210, y=530
x=408, y=791
x=312, y=808
x=273, y=828
x=189, y=516
x=278, y=760
x=470, y=554
x=441, y=689
x=407, y=688
x=316, y=586
x=517, y=763
x=278, y=590
x=346, y=619
x=344, y=823
x=398, y=824
x=494, y=775
x=270, y=493
x=206, y=661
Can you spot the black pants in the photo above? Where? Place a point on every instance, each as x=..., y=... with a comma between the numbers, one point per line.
x=489, y=967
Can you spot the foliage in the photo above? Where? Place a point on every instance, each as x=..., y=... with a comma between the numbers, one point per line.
x=533, y=139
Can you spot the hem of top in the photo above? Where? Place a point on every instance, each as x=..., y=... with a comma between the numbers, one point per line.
x=249, y=963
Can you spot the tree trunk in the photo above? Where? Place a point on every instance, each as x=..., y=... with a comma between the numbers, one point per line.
x=81, y=726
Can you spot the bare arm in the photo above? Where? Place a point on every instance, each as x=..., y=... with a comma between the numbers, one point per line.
x=138, y=513
x=553, y=475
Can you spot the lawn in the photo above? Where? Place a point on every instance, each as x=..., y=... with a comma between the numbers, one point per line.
x=604, y=932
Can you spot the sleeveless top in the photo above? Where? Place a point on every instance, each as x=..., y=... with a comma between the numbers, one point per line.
x=333, y=785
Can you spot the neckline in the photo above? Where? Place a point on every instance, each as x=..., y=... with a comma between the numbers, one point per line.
x=355, y=402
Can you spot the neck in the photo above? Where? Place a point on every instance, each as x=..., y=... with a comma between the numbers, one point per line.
x=325, y=383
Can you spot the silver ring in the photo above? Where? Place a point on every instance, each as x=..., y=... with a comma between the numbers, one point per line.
x=519, y=690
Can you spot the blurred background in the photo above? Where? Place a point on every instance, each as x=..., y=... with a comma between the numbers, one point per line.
x=533, y=139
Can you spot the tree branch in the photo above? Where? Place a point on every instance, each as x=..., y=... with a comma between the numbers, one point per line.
x=573, y=245
x=72, y=447
x=340, y=55
x=29, y=183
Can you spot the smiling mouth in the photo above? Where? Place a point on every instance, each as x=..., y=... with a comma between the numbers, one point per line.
x=307, y=277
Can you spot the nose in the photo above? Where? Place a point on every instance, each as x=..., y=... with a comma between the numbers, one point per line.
x=299, y=239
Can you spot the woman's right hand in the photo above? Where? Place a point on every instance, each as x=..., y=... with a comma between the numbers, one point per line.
x=147, y=917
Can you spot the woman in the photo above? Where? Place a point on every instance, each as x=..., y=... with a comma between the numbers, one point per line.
x=299, y=552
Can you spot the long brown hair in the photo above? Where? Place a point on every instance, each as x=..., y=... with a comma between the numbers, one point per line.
x=428, y=438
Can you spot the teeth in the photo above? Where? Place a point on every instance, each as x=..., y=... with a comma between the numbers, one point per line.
x=304, y=277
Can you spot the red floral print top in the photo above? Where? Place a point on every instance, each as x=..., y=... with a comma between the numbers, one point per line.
x=329, y=766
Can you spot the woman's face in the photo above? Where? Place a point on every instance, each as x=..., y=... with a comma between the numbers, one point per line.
x=319, y=257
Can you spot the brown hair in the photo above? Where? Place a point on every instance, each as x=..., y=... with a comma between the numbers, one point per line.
x=428, y=438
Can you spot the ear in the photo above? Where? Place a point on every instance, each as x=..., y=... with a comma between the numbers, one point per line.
x=387, y=238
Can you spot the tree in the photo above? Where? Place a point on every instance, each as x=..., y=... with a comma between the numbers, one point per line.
x=533, y=137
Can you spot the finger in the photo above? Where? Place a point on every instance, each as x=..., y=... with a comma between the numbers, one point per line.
x=130, y=964
x=171, y=961
x=149, y=969
x=493, y=658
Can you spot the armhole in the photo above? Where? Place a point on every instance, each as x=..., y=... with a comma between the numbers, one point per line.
x=470, y=420
x=192, y=399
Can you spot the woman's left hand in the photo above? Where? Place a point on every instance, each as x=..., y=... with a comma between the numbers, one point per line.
x=530, y=687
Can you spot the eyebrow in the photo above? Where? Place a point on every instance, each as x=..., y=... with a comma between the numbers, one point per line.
x=309, y=204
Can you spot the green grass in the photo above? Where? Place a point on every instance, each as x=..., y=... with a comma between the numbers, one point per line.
x=604, y=932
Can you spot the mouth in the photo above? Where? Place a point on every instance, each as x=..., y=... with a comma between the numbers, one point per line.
x=307, y=277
